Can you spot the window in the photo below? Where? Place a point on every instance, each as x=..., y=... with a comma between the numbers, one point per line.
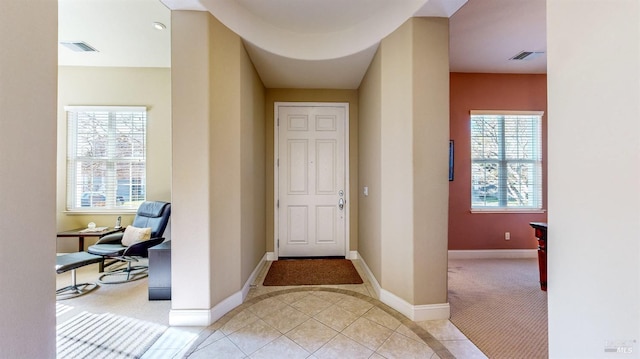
x=506, y=160
x=106, y=158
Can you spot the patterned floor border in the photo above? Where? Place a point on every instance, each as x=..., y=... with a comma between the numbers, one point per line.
x=432, y=342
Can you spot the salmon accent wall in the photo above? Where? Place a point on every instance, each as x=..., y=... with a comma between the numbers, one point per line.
x=469, y=91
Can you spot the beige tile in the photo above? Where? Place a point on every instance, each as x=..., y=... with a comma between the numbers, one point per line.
x=401, y=347
x=282, y=347
x=286, y=319
x=311, y=335
x=239, y=321
x=342, y=347
x=254, y=336
x=442, y=330
x=336, y=317
x=311, y=305
x=403, y=330
x=267, y=306
x=355, y=305
x=223, y=348
x=463, y=349
x=381, y=317
x=217, y=335
x=367, y=333
x=330, y=297
x=290, y=298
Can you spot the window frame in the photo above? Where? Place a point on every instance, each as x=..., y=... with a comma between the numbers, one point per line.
x=74, y=194
x=503, y=162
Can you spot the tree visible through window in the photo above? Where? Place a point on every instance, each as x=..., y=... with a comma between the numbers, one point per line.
x=506, y=160
x=106, y=157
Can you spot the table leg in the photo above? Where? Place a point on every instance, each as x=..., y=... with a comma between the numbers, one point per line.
x=80, y=243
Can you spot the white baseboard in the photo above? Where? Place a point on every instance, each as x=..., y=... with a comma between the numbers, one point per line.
x=352, y=255
x=413, y=312
x=493, y=254
x=190, y=317
x=416, y=313
x=253, y=276
x=206, y=317
x=271, y=256
x=370, y=276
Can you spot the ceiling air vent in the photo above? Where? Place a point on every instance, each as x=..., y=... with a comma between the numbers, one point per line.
x=527, y=55
x=78, y=46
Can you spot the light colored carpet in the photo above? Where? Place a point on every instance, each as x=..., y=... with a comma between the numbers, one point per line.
x=105, y=336
x=498, y=305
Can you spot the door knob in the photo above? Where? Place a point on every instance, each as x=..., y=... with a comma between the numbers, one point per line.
x=341, y=203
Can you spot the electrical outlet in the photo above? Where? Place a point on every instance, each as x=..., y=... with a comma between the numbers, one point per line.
x=507, y=236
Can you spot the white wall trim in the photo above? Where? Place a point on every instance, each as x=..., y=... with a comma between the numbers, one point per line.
x=352, y=255
x=493, y=254
x=271, y=256
x=190, y=317
x=413, y=312
x=370, y=276
x=206, y=317
x=252, y=277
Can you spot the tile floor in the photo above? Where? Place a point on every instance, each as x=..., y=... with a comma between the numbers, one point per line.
x=344, y=321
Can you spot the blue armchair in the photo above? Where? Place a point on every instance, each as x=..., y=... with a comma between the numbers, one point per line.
x=153, y=215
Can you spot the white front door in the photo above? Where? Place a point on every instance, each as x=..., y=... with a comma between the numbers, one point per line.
x=311, y=190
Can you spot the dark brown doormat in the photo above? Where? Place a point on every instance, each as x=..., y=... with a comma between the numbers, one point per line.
x=312, y=272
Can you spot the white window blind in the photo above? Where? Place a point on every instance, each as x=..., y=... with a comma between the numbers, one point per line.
x=106, y=157
x=506, y=160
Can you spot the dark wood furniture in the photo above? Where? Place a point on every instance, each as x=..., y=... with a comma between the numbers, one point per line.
x=82, y=233
x=160, y=271
x=541, y=233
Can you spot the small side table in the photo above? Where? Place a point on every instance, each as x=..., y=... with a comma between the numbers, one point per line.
x=82, y=233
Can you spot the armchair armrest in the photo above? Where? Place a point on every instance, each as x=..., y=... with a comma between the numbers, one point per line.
x=113, y=238
x=142, y=248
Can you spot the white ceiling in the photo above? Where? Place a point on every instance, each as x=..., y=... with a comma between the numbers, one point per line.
x=121, y=30
x=308, y=43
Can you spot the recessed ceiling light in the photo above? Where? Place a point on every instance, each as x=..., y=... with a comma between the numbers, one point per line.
x=159, y=26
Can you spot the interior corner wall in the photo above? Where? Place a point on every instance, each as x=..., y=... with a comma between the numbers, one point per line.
x=225, y=166
x=253, y=151
x=218, y=171
x=28, y=87
x=430, y=131
x=191, y=143
x=150, y=87
x=474, y=91
x=594, y=171
x=396, y=163
x=313, y=95
x=369, y=171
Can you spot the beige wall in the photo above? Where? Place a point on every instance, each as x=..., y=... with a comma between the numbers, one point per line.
x=431, y=158
x=252, y=171
x=27, y=177
x=191, y=193
x=594, y=178
x=150, y=87
x=308, y=95
x=403, y=159
x=397, y=163
x=218, y=154
x=369, y=171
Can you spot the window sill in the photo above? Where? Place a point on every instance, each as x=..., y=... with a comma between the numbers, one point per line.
x=504, y=210
x=100, y=212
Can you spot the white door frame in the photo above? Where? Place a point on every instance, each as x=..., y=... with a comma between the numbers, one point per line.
x=276, y=188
